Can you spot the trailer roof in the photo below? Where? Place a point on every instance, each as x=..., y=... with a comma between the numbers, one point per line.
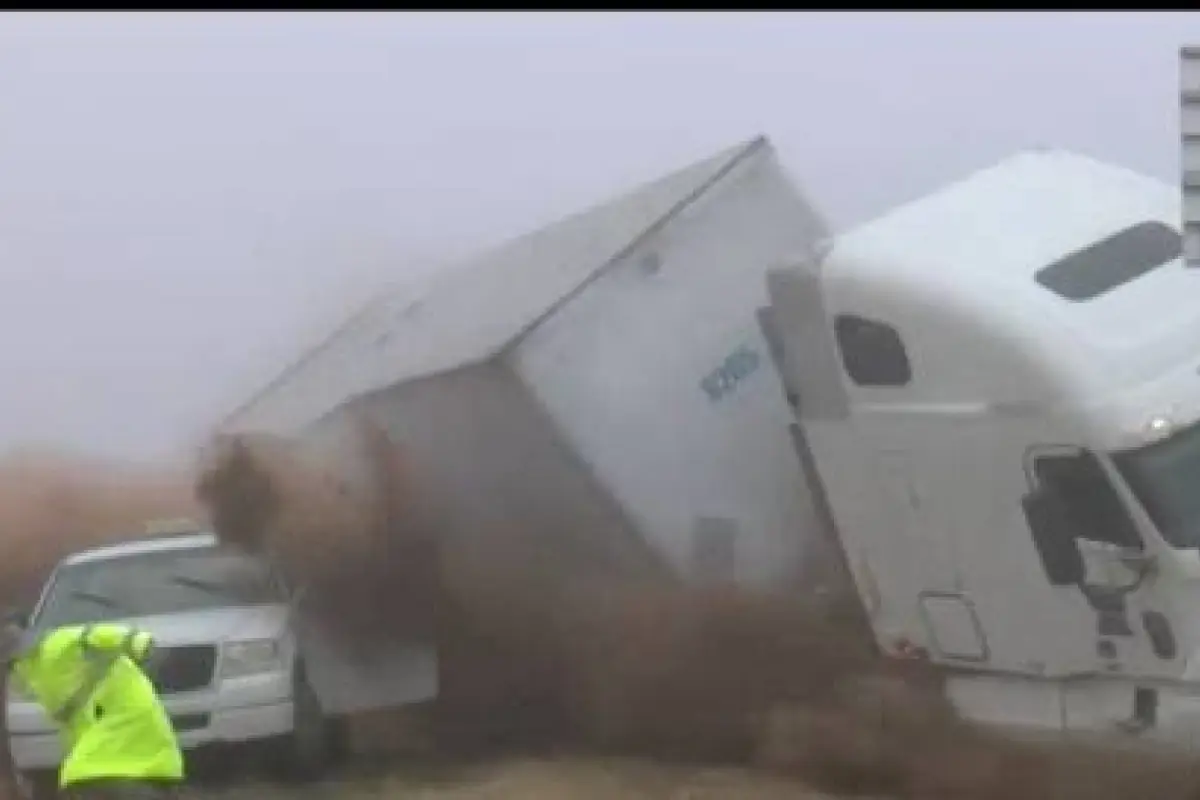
x=471, y=311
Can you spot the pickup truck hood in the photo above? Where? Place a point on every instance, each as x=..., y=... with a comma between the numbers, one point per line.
x=215, y=625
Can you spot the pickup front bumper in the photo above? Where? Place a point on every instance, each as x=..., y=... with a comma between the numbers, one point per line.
x=239, y=710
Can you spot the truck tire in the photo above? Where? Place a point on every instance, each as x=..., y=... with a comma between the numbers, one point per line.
x=309, y=750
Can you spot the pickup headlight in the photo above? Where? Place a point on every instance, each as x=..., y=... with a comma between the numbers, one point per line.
x=251, y=657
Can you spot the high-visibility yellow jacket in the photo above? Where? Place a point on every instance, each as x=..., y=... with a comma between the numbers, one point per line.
x=111, y=721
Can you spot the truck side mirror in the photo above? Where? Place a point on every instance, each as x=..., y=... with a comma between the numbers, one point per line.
x=17, y=616
x=1054, y=535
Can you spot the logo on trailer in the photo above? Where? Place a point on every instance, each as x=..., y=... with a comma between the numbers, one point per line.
x=736, y=367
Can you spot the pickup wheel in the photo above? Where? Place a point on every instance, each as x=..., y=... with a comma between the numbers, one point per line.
x=39, y=785
x=308, y=751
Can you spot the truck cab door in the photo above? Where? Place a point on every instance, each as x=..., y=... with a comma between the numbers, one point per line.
x=1113, y=569
x=1089, y=543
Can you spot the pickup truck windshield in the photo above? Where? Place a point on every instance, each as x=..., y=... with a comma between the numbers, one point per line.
x=1165, y=476
x=163, y=582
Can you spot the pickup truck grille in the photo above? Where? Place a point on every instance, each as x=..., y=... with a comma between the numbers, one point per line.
x=183, y=669
x=183, y=723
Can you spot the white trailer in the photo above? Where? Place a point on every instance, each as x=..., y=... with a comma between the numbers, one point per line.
x=597, y=392
x=602, y=380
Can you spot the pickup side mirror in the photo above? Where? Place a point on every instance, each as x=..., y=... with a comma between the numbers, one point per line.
x=17, y=616
x=1054, y=536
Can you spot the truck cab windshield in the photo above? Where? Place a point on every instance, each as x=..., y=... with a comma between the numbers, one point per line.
x=162, y=582
x=1165, y=476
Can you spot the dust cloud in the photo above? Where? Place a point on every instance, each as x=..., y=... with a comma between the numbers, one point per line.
x=535, y=661
x=535, y=658
x=52, y=503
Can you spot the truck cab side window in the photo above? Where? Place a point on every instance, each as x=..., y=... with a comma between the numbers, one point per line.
x=873, y=353
x=1094, y=507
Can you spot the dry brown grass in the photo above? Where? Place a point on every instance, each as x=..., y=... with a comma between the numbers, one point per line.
x=881, y=737
x=554, y=779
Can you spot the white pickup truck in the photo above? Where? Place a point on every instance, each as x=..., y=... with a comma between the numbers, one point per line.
x=227, y=660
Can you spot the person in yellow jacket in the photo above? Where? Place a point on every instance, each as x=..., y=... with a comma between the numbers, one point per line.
x=117, y=738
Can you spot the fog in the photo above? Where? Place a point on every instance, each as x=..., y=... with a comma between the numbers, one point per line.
x=188, y=200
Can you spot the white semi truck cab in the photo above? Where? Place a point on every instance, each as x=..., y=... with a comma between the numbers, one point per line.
x=997, y=389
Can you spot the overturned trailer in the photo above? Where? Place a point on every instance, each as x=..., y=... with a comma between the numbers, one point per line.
x=596, y=395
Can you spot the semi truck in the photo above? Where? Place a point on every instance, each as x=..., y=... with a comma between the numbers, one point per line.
x=984, y=405
x=998, y=393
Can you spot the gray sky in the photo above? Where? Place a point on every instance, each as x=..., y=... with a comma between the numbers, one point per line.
x=187, y=200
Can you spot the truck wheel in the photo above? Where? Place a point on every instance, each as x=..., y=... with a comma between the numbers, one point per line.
x=308, y=751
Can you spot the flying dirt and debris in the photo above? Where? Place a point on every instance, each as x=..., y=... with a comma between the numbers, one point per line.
x=716, y=692
x=676, y=673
